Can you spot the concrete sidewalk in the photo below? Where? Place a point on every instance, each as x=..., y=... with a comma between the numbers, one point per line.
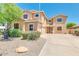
x=60, y=45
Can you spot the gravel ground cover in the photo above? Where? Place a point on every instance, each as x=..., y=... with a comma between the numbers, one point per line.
x=7, y=48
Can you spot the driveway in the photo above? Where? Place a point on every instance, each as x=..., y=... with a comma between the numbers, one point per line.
x=60, y=45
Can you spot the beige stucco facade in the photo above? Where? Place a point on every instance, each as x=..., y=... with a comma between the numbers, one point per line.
x=37, y=23
x=40, y=23
x=55, y=24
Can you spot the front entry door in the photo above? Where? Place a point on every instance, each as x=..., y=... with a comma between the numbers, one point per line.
x=31, y=27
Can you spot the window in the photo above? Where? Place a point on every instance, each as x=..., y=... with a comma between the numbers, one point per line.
x=36, y=15
x=25, y=16
x=59, y=20
x=59, y=28
x=31, y=27
x=16, y=26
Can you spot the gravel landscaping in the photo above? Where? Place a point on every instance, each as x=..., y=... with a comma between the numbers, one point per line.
x=8, y=48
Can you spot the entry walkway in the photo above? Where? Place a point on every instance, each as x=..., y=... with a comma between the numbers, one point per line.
x=60, y=45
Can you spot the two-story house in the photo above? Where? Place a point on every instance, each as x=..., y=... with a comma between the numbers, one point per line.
x=57, y=24
x=31, y=21
x=37, y=21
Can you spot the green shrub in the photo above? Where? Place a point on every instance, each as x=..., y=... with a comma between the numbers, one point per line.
x=24, y=35
x=14, y=33
x=31, y=35
x=37, y=34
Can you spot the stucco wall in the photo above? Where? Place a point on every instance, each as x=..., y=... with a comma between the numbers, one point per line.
x=57, y=24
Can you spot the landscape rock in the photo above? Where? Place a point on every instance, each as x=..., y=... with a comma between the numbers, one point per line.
x=21, y=49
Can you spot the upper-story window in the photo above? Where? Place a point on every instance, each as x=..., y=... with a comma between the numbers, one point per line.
x=37, y=15
x=59, y=19
x=25, y=16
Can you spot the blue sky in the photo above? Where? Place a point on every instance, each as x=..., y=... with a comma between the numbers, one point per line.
x=51, y=9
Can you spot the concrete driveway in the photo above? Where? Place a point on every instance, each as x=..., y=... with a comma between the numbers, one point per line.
x=60, y=45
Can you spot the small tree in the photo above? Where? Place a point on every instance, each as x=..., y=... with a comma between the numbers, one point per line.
x=70, y=24
x=9, y=13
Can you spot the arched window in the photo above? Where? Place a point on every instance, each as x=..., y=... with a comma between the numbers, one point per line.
x=25, y=16
x=59, y=19
x=37, y=15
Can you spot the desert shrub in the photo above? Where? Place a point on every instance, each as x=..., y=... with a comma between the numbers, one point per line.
x=14, y=33
x=31, y=35
x=38, y=34
x=24, y=35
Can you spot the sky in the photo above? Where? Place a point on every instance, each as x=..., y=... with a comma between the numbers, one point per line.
x=52, y=9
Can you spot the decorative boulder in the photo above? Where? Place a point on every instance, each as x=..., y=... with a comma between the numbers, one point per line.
x=21, y=49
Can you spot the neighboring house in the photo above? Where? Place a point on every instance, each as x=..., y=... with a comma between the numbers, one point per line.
x=76, y=27
x=37, y=21
x=71, y=30
x=57, y=24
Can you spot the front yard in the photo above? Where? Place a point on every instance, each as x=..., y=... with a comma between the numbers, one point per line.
x=7, y=48
x=46, y=45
